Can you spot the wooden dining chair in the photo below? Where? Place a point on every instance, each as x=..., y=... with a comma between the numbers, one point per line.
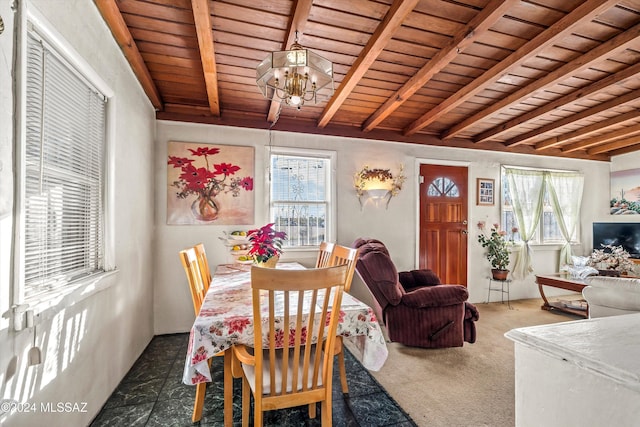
x=192, y=268
x=343, y=255
x=203, y=262
x=283, y=370
x=324, y=253
x=189, y=258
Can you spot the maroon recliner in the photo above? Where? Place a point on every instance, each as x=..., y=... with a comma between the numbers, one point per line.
x=416, y=308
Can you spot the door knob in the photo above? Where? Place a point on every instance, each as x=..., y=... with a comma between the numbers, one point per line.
x=464, y=231
x=464, y=222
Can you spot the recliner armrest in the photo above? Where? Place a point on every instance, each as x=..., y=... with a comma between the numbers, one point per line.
x=417, y=279
x=435, y=296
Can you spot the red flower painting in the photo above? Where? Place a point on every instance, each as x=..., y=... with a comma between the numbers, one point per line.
x=213, y=179
x=207, y=172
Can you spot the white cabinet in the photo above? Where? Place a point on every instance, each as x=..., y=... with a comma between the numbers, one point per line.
x=585, y=373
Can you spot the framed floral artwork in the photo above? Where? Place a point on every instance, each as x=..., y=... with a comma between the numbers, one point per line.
x=485, y=192
x=210, y=184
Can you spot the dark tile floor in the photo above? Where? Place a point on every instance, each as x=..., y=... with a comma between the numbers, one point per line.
x=152, y=394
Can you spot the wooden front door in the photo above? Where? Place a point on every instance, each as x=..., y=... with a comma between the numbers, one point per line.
x=443, y=222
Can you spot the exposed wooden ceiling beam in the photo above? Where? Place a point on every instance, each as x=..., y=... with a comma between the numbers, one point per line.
x=462, y=39
x=613, y=103
x=564, y=100
x=626, y=150
x=111, y=14
x=590, y=142
x=614, y=145
x=585, y=131
x=202, y=19
x=600, y=139
x=164, y=33
x=581, y=14
x=581, y=63
x=298, y=22
x=376, y=44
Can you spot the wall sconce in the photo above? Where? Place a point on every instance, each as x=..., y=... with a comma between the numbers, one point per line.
x=377, y=185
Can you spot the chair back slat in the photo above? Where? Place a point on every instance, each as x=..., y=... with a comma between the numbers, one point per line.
x=294, y=297
x=203, y=263
x=343, y=255
x=272, y=342
x=192, y=269
x=324, y=254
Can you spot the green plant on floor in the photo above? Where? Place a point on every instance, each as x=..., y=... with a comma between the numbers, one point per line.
x=496, y=245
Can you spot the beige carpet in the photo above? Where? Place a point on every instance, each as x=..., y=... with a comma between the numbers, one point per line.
x=471, y=385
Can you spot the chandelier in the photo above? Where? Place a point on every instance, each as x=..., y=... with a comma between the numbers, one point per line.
x=294, y=76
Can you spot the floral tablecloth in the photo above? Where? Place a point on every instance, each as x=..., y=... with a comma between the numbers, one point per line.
x=226, y=318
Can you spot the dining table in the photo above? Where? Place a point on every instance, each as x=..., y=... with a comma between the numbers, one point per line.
x=226, y=319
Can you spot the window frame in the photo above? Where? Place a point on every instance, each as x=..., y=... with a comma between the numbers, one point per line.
x=72, y=291
x=329, y=155
x=538, y=240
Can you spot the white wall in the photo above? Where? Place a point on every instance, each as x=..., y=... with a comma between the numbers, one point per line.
x=396, y=226
x=89, y=346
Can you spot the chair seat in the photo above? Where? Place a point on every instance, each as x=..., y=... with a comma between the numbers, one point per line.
x=249, y=371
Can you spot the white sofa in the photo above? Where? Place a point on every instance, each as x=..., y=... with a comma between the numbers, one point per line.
x=612, y=296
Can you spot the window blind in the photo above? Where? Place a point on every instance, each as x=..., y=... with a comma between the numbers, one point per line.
x=300, y=198
x=64, y=173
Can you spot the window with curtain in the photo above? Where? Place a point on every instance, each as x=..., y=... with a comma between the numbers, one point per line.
x=302, y=185
x=62, y=178
x=548, y=229
x=544, y=205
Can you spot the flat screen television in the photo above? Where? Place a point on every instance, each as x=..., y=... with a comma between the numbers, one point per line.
x=625, y=234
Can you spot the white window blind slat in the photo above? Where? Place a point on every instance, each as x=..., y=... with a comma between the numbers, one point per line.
x=64, y=176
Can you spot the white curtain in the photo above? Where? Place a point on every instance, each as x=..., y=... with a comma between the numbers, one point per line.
x=526, y=188
x=565, y=194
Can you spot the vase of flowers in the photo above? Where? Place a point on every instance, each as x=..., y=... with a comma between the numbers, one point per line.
x=497, y=252
x=205, y=179
x=265, y=245
x=611, y=260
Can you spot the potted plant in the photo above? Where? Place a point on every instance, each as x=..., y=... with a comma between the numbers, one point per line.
x=265, y=245
x=497, y=252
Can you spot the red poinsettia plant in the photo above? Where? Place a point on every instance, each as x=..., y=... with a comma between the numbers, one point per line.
x=265, y=242
x=210, y=180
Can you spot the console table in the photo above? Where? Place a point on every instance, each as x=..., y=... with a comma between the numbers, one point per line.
x=562, y=281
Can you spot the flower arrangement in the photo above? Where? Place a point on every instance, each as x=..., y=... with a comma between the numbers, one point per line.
x=208, y=181
x=265, y=242
x=612, y=258
x=497, y=252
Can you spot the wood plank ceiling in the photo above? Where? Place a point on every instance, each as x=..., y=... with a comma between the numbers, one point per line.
x=548, y=77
